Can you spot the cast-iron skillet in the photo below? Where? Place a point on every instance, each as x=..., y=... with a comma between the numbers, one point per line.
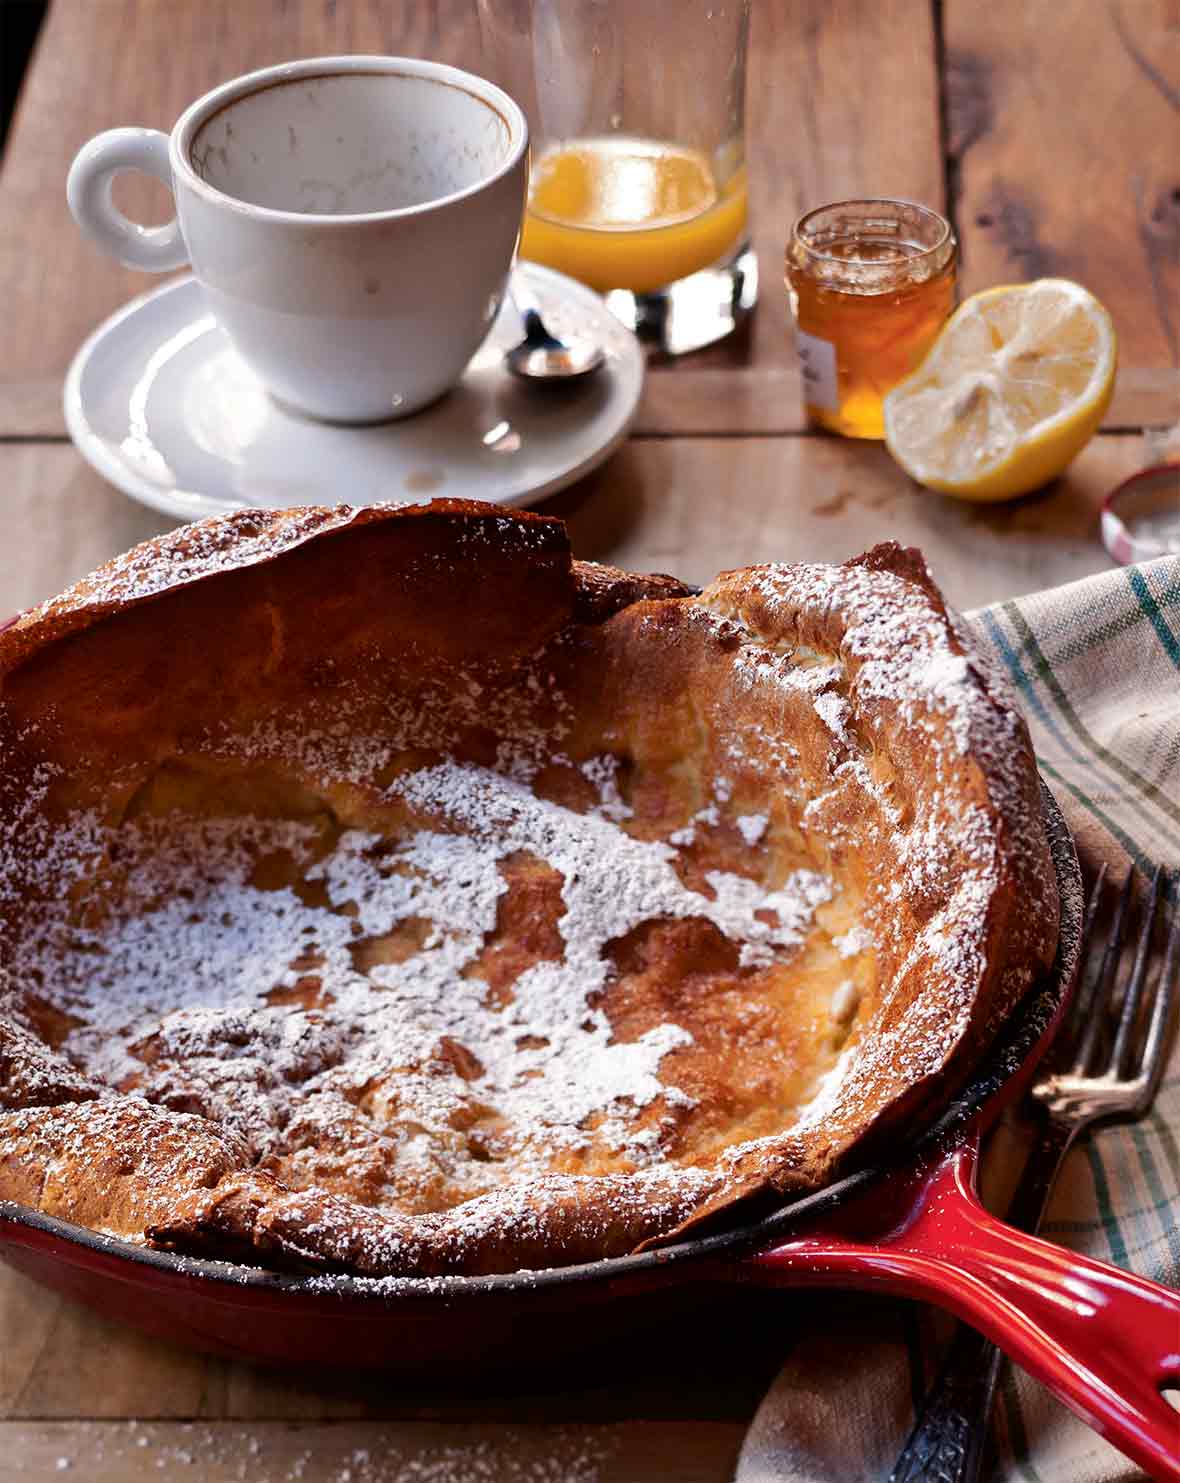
x=1101, y=1339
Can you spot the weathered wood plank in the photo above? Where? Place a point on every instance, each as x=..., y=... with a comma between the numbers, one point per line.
x=688, y=400
x=57, y=522
x=629, y=1452
x=842, y=101
x=690, y=506
x=59, y=1361
x=1064, y=133
x=823, y=78
x=697, y=507
x=766, y=400
x=32, y=409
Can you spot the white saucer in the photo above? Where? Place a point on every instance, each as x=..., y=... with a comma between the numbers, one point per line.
x=158, y=402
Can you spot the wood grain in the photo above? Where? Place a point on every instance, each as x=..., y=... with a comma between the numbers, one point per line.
x=60, y=1362
x=694, y=508
x=689, y=401
x=1064, y=139
x=824, y=75
x=689, y=506
x=58, y=520
x=634, y=1452
x=818, y=74
x=766, y=400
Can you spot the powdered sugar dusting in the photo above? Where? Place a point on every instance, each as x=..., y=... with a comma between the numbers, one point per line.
x=259, y=1451
x=195, y=945
x=905, y=702
x=854, y=941
x=752, y=827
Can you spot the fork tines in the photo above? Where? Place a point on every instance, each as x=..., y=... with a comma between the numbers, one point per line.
x=1123, y=1019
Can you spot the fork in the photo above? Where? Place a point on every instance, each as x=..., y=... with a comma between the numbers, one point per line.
x=1092, y=1081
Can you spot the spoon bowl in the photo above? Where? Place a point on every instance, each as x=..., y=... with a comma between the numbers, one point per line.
x=542, y=355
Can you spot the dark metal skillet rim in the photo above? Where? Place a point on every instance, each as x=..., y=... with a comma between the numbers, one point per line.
x=1008, y=1054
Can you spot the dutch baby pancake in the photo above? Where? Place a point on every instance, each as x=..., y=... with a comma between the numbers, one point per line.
x=383, y=891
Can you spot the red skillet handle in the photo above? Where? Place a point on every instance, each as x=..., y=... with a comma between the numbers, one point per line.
x=1101, y=1339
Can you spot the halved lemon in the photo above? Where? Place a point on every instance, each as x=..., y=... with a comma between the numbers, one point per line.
x=1012, y=390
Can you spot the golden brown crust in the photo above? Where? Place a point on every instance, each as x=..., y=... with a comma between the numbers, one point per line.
x=602, y=590
x=933, y=803
x=30, y=1077
x=117, y=1165
x=386, y=893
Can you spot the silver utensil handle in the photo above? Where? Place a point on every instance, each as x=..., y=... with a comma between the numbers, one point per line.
x=521, y=296
x=949, y=1437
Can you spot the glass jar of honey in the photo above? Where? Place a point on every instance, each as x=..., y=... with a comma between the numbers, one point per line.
x=871, y=283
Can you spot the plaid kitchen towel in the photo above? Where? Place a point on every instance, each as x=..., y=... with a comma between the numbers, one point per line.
x=1097, y=667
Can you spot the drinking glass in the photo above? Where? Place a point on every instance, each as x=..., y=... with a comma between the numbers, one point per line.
x=638, y=178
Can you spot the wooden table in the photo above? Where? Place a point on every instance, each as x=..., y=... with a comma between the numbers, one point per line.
x=1047, y=129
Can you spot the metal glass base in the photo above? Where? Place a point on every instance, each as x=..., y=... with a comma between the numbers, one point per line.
x=693, y=311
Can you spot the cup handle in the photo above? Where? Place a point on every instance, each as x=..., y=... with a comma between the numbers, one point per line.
x=88, y=190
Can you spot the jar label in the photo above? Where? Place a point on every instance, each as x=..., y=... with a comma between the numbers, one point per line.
x=817, y=360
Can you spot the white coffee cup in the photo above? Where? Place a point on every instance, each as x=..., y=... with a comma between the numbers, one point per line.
x=352, y=221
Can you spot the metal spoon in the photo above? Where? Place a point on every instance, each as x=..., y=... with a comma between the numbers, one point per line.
x=541, y=356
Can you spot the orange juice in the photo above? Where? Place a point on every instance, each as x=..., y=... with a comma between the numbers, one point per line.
x=630, y=213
